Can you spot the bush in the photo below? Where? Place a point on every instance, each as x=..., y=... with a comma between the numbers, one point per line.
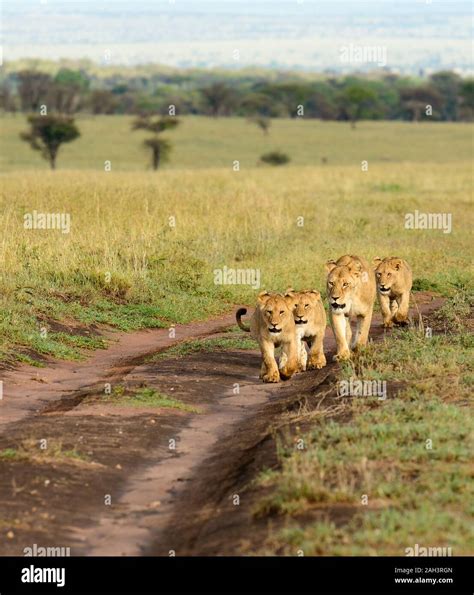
x=275, y=158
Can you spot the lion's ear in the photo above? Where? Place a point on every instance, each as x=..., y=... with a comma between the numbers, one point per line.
x=290, y=292
x=376, y=261
x=330, y=265
x=355, y=268
x=397, y=263
x=263, y=297
x=315, y=291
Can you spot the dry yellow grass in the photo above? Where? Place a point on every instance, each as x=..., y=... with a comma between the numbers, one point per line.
x=124, y=264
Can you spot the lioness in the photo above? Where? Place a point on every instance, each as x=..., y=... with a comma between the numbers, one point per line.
x=394, y=280
x=272, y=325
x=310, y=320
x=351, y=294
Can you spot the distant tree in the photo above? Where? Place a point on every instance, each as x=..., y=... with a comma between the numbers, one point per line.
x=102, y=101
x=320, y=106
x=67, y=91
x=262, y=122
x=288, y=95
x=466, y=94
x=48, y=133
x=33, y=89
x=160, y=148
x=416, y=100
x=7, y=99
x=258, y=104
x=447, y=84
x=355, y=100
x=219, y=99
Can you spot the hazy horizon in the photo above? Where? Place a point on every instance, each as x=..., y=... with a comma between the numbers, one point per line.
x=409, y=35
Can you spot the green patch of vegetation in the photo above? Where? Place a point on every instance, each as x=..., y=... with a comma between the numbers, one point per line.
x=26, y=359
x=203, y=345
x=424, y=285
x=148, y=397
x=42, y=451
x=403, y=464
x=8, y=454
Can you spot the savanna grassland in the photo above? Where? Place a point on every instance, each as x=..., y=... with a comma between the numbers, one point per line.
x=123, y=264
x=203, y=142
x=142, y=250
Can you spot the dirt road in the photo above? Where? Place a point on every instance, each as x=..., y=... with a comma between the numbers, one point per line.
x=149, y=481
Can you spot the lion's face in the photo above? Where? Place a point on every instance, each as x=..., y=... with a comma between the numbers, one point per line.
x=387, y=273
x=302, y=303
x=275, y=311
x=341, y=282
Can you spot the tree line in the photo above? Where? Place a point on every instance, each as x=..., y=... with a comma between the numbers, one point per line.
x=443, y=96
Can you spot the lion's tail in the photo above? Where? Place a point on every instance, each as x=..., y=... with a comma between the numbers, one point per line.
x=241, y=312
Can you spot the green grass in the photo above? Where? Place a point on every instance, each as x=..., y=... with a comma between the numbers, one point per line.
x=201, y=142
x=148, y=397
x=206, y=345
x=30, y=450
x=411, y=455
x=8, y=454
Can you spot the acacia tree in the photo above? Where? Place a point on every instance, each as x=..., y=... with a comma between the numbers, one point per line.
x=48, y=133
x=160, y=147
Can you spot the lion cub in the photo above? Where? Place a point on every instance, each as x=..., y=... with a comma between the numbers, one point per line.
x=272, y=325
x=310, y=320
x=394, y=281
x=351, y=294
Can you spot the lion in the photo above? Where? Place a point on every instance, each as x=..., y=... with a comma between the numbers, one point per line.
x=310, y=320
x=394, y=281
x=272, y=325
x=351, y=294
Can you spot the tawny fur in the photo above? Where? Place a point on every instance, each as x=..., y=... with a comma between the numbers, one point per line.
x=351, y=293
x=394, y=280
x=273, y=312
x=310, y=320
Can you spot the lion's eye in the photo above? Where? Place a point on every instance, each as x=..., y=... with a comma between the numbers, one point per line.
x=282, y=311
x=269, y=311
x=306, y=305
x=331, y=283
x=389, y=274
x=346, y=285
x=378, y=274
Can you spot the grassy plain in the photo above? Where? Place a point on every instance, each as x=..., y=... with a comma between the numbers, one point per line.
x=200, y=142
x=143, y=246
